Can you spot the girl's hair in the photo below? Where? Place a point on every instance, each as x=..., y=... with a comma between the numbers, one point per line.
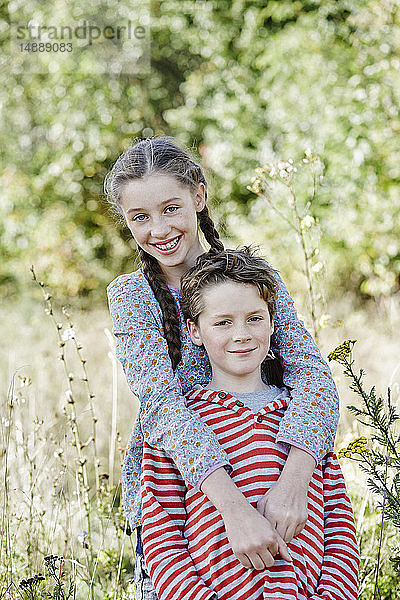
x=161, y=155
x=242, y=266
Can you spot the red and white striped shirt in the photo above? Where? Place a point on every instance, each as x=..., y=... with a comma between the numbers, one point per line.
x=185, y=544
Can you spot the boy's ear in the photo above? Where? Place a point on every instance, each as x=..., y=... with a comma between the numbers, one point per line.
x=194, y=332
x=272, y=325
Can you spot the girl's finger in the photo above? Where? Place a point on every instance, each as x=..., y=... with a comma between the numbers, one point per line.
x=267, y=558
x=299, y=528
x=258, y=562
x=244, y=560
x=281, y=528
x=284, y=551
x=290, y=533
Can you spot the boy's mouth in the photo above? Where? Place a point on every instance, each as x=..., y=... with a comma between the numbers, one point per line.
x=245, y=351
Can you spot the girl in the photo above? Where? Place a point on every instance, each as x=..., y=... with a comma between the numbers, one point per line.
x=161, y=192
x=229, y=301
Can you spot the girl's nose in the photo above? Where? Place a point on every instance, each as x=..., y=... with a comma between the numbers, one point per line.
x=160, y=228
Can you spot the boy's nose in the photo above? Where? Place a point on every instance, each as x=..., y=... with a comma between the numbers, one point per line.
x=242, y=335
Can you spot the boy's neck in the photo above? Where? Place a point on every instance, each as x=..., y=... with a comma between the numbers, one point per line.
x=237, y=384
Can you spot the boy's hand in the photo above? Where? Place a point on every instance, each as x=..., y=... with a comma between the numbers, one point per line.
x=254, y=541
x=285, y=506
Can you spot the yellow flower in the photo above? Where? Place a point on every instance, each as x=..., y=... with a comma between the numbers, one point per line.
x=357, y=446
x=343, y=351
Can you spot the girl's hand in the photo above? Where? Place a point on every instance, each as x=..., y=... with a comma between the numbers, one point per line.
x=254, y=541
x=252, y=537
x=285, y=504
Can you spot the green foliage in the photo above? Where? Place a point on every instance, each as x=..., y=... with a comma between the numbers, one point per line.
x=325, y=76
x=368, y=536
x=247, y=81
x=381, y=462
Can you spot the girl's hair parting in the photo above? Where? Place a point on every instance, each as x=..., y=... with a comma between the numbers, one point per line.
x=161, y=155
x=241, y=266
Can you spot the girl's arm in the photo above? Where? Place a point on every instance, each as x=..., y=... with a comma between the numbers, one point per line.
x=165, y=421
x=311, y=418
x=170, y=564
x=253, y=539
x=285, y=503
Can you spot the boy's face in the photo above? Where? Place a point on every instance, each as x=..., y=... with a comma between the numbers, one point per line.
x=235, y=328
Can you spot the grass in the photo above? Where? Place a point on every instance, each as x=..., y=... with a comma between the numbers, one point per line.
x=59, y=502
x=59, y=498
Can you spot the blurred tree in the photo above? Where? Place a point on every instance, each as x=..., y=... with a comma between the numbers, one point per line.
x=292, y=75
x=247, y=82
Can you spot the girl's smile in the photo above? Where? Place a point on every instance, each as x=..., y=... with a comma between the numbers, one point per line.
x=169, y=246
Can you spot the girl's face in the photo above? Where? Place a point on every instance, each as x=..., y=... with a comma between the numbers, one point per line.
x=161, y=214
x=235, y=328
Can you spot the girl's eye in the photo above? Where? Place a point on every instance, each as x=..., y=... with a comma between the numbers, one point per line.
x=171, y=209
x=221, y=323
x=255, y=319
x=139, y=217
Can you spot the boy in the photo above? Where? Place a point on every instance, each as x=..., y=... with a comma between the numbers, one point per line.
x=229, y=301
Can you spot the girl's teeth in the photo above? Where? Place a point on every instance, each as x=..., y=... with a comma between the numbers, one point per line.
x=168, y=246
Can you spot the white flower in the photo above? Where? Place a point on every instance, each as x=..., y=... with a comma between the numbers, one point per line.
x=324, y=320
x=317, y=267
x=307, y=221
x=82, y=535
x=67, y=334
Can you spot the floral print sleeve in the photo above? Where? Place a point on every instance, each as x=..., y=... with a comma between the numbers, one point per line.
x=312, y=415
x=164, y=420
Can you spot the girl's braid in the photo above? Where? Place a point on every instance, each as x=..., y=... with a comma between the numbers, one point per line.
x=273, y=370
x=208, y=228
x=205, y=222
x=161, y=291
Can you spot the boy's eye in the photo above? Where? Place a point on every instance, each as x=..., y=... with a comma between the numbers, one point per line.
x=255, y=318
x=171, y=209
x=221, y=323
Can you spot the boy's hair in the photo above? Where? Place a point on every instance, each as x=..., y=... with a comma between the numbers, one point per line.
x=241, y=266
x=161, y=155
